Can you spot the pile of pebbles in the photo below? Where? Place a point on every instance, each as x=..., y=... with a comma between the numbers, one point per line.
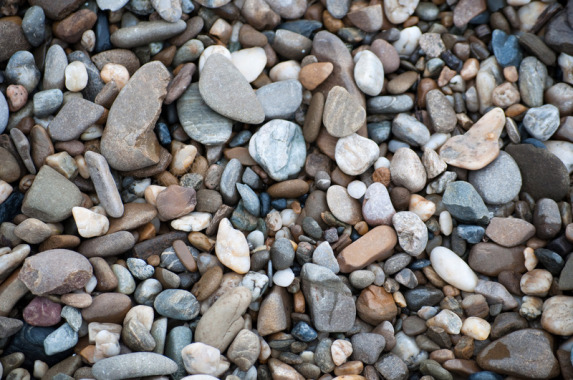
x=286, y=189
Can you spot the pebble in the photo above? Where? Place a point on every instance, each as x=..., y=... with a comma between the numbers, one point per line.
x=279, y=147
x=407, y=170
x=452, y=269
x=464, y=203
x=137, y=364
x=343, y=115
x=232, y=248
x=76, y=76
x=532, y=75
x=354, y=154
x=542, y=122
x=363, y=252
x=89, y=223
x=556, y=315
x=73, y=119
x=441, y=112
x=280, y=100
x=55, y=65
x=412, y=232
x=342, y=205
x=410, y=130
x=323, y=255
x=377, y=208
x=368, y=73
x=21, y=69
x=499, y=182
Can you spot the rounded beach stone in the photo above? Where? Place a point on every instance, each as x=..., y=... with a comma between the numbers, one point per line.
x=232, y=248
x=343, y=115
x=343, y=206
x=137, y=364
x=499, y=182
x=354, y=154
x=452, y=269
x=176, y=304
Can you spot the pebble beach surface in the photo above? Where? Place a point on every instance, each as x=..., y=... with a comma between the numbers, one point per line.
x=286, y=189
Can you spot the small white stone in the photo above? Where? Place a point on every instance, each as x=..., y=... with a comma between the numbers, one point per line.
x=274, y=220
x=115, y=72
x=232, y=248
x=151, y=192
x=200, y=358
x=531, y=307
x=90, y=224
x=446, y=223
x=566, y=63
x=407, y=349
x=285, y=71
x=90, y=286
x=95, y=327
x=356, y=189
x=112, y=5
x=76, y=76
x=382, y=162
x=88, y=40
x=354, y=154
x=183, y=157
x=408, y=40
x=106, y=345
x=530, y=259
x=557, y=317
x=250, y=62
x=256, y=239
x=452, y=269
x=368, y=73
x=563, y=150
x=536, y=282
x=283, y=278
x=5, y=190
x=92, y=132
x=195, y=221
x=256, y=282
x=448, y=320
x=213, y=49
x=412, y=232
x=288, y=217
x=476, y=328
x=398, y=11
x=40, y=369
x=141, y=313
x=340, y=350
x=529, y=14
x=421, y=207
x=433, y=163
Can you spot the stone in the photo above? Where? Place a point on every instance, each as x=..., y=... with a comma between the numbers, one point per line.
x=478, y=146
x=539, y=166
x=76, y=76
x=21, y=69
x=107, y=308
x=279, y=147
x=42, y=312
x=13, y=39
x=323, y=255
x=200, y=358
x=232, y=248
x=467, y=10
x=274, y=312
x=408, y=129
x=354, y=154
x=330, y=301
x=137, y=364
x=199, y=121
x=499, y=182
x=447, y=320
x=73, y=119
x=230, y=94
x=387, y=54
x=89, y=223
x=525, y=353
x=56, y=271
x=33, y=231
x=280, y=100
x=556, y=316
x=229, y=178
x=509, y=232
x=412, y=232
x=432, y=45
x=133, y=128
x=314, y=74
x=146, y=32
x=367, y=347
x=375, y=305
x=112, y=5
x=542, y=122
x=175, y=201
x=505, y=48
x=408, y=40
x=9, y=326
x=343, y=115
x=377, y=244
x=407, y=170
x=452, y=269
x=223, y=320
x=177, y=304
x=377, y=208
x=464, y=203
x=399, y=11
x=532, y=75
x=104, y=184
x=368, y=71
x=391, y=367
x=490, y=259
x=441, y=112
x=250, y=62
x=343, y=206
x=60, y=340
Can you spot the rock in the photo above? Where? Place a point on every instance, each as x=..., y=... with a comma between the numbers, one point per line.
x=200, y=358
x=107, y=308
x=390, y=104
x=441, y=112
x=10, y=170
x=387, y=54
x=330, y=301
x=250, y=62
x=558, y=33
x=112, y=5
x=33, y=25
x=408, y=129
x=169, y=10
x=73, y=119
x=21, y=69
x=76, y=76
x=71, y=28
x=466, y=10
x=368, y=71
x=408, y=40
x=223, y=321
x=563, y=150
x=343, y=115
x=375, y=305
x=377, y=207
x=506, y=48
x=499, y=182
x=377, y=244
x=199, y=121
x=137, y=364
x=556, y=317
x=399, y=11
x=391, y=367
x=282, y=254
x=280, y=100
x=9, y=326
x=412, y=232
x=536, y=282
x=542, y=122
x=323, y=255
x=279, y=147
x=526, y=353
x=532, y=76
x=230, y=94
x=232, y=248
x=354, y=154
x=128, y=141
x=42, y=312
x=4, y=113
x=452, y=269
x=432, y=45
x=56, y=271
x=274, y=312
x=33, y=231
x=13, y=39
x=509, y=232
x=478, y=146
x=292, y=188
x=134, y=215
x=464, y=203
x=367, y=347
x=146, y=32
x=343, y=206
x=490, y=259
x=244, y=350
x=89, y=223
x=447, y=320
x=104, y=184
x=314, y=74
x=176, y=201
x=51, y=196
x=176, y=304
x=407, y=170
x=60, y=340
x=229, y=178
x=538, y=166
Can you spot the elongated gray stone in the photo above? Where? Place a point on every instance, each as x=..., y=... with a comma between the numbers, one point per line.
x=199, y=121
x=146, y=32
x=54, y=68
x=137, y=364
x=226, y=91
x=104, y=184
x=74, y=118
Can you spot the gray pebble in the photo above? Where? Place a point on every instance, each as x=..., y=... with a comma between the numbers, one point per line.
x=390, y=104
x=47, y=102
x=464, y=203
x=281, y=99
x=146, y=291
x=250, y=199
x=60, y=340
x=229, y=179
x=282, y=254
x=542, y=122
x=323, y=255
x=408, y=129
x=499, y=182
x=532, y=77
x=54, y=68
x=33, y=25
x=139, y=268
x=21, y=69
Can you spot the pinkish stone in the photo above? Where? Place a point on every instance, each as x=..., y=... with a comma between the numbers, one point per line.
x=42, y=312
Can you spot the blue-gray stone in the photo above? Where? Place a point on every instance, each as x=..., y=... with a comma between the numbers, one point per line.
x=60, y=340
x=389, y=104
x=170, y=261
x=550, y=260
x=499, y=182
x=252, y=179
x=47, y=102
x=33, y=25
x=177, y=304
x=243, y=220
x=506, y=48
x=4, y=113
x=133, y=365
x=21, y=69
x=303, y=332
x=536, y=143
x=422, y=296
x=279, y=204
x=250, y=199
x=542, y=122
x=464, y=203
x=265, y=203
x=139, y=268
x=532, y=77
x=177, y=339
x=379, y=132
x=471, y=234
x=427, y=11
x=304, y=27
x=279, y=147
x=495, y=5
x=101, y=30
x=147, y=291
x=163, y=134
x=240, y=138
x=229, y=178
x=486, y=375
x=280, y=100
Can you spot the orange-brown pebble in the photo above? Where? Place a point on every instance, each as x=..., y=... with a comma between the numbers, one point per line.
x=382, y=175
x=312, y=75
x=354, y=367
x=146, y=232
x=201, y=241
x=154, y=260
x=299, y=302
x=515, y=110
x=184, y=255
x=510, y=74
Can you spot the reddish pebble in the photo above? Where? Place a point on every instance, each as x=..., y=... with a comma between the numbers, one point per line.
x=17, y=96
x=42, y=312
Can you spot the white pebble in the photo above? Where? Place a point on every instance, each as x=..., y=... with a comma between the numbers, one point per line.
x=452, y=269
x=195, y=221
x=283, y=278
x=89, y=223
x=368, y=73
x=408, y=40
x=340, y=350
x=91, y=284
x=250, y=62
x=382, y=162
x=93, y=132
x=476, y=328
x=288, y=217
x=356, y=189
x=5, y=190
x=213, y=49
x=421, y=207
x=536, y=282
x=446, y=224
x=76, y=76
x=40, y=369
x=285, y=71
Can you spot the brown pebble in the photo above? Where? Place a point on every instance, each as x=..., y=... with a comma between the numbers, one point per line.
x=107, y=308
x=293, y=188
x=209, y=282
x=184, y=255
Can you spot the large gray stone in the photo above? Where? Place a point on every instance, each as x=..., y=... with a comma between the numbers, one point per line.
x=281, y=99
x=499, y=182
x=464, y=203
x=137, y=364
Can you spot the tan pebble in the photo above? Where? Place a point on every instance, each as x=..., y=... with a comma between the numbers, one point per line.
x=470, y=69
x=476, y=328
x=349, y=369
x=530, y=259
x=182, y=159
x=88, y=40
x=201, y=241
x=64, y=164
x=76, y=76
x=153, y=260
x=115, y=72
x=299, y=302
x=17, y=96
x=151, y=192
x=536, y=282
x=146, y=232
x=510, y=74
x=445, y=76
x=421, y=207
x=89, y=223
x=5, y=190
x=312, y=75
